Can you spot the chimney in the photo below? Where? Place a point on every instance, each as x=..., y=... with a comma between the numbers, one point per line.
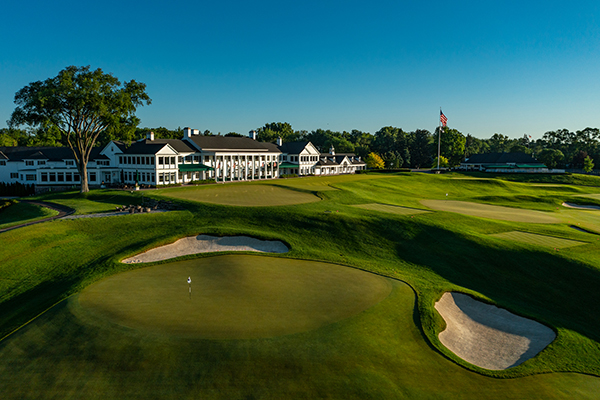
x=196, y=132
x=279, y=141
x=332, y=150
x=150, y=135
x=187, y=132
x=252, y=135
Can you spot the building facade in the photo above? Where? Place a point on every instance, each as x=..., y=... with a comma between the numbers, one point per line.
x=159, y=162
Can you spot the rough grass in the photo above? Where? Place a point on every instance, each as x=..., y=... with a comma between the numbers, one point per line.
x=366, y=355
x=390, y=209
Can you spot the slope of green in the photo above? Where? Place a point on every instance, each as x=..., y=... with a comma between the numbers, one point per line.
x=368, y=354
x=22, y=213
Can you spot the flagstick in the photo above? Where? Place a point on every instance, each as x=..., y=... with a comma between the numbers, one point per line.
x=439, y=140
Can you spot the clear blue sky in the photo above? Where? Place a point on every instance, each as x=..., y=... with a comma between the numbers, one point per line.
x=511, y=67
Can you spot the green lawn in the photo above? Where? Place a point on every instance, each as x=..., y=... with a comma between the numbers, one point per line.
x=390, y=350
x=240, y=194
x=21, y=213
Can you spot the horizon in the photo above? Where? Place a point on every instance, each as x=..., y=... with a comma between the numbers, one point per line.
x=507, y=68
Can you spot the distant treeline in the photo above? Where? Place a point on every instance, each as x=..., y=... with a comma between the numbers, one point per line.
x=398, y=148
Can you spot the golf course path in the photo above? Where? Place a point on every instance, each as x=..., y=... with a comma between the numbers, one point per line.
x=488, y=336
x=207, y=244
x=63, y=211
x=580, y=207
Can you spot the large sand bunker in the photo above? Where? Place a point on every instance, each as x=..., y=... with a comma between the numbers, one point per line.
x=207, y=244
x=488, y=336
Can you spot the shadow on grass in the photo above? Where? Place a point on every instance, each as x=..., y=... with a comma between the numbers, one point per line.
x=551, y=288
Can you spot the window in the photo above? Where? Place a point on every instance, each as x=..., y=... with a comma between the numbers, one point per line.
x=3, y=162
x=138, y=160
x=29, y=162
x=151, y=160
x=180, y=160
x=143, y=160
x=30, y=177
x=44, y=177
x=173, y=176
x=160, y=178
x=102, y=162
x=69, y=162
x=60, y=176
x=68, y=177
x=160, y=161
x=120, y=159
x=172, y=160
x=153, y=180
x=52, y=176
x=76, y=177
x=128, y=159
x=42, y=162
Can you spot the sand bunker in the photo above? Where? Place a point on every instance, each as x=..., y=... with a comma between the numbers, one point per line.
x=580, y=207
x=207, y=244
x=488, y=336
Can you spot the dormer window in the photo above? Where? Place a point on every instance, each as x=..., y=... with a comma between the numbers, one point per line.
x=69, y=162
x=42, y=162
x=29, y=163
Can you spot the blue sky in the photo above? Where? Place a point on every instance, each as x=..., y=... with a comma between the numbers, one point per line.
x=509, y=67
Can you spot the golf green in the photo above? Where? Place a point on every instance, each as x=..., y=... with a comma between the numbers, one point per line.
x=241, y=194
x=233, y=297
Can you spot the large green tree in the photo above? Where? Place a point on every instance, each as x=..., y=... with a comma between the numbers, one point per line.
x=452, y=145
x=81, y=104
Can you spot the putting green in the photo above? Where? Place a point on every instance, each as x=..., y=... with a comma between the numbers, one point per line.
x=388, y=208
x=233, y=297
x=492, y=212
x=538, y=240
x=234, y=194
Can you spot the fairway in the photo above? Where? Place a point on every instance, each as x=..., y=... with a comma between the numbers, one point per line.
x=388, y=208
x=538, y=240
x=248, y=195
x=234, y=297
x=492, y=212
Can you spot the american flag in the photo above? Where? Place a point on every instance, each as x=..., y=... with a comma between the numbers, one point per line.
x=443, y=118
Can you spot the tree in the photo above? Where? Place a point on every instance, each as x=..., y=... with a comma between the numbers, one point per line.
x=374, y=161
x=81, y=104
x=420, y=147
x=452, y=145
x=270, y=132
x=588, y=165
x=444, y=163
x=551, y=157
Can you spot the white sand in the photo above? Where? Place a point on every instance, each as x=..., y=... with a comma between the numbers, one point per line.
x=579, y=207
x=488, y=336
x=207, y=244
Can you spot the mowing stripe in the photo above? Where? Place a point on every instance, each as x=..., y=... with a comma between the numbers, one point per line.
x=538, y=240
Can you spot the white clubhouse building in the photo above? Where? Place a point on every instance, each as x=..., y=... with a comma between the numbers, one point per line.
x=158, y=162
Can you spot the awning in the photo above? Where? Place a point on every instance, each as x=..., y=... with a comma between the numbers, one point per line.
x=194, y=167
x=288, y=165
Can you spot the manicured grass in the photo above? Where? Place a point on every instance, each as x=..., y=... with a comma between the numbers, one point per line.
x=389, y=351
x=234, y=297
x=379, y=353
x=390, y=209
x=240, y=194
x=21, y=213
x=96, y=201
x=492, y=212
x=538, y=240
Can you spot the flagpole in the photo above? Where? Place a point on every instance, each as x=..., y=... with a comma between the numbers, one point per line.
x=439, y=140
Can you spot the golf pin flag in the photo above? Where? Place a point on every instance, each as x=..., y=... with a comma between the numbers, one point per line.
x=443, y=118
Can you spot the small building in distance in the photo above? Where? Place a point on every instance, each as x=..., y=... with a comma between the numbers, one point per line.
x=506, y=163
